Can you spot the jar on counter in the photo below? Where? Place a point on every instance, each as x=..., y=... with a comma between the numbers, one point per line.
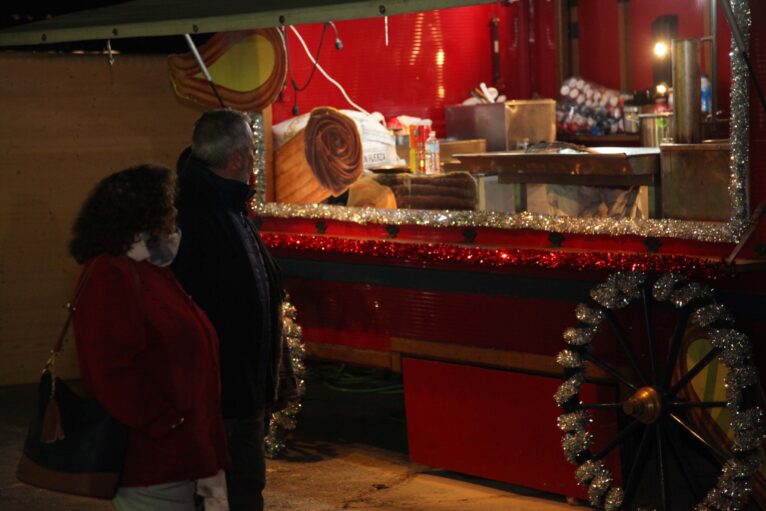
x=631, y=121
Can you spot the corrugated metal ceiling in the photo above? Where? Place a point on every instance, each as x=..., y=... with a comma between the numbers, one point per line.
x=144, y=18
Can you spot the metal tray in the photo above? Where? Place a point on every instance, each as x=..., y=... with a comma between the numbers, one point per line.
x=604, y=167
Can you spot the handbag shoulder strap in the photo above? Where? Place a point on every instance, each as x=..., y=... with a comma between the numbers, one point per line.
x=72, y=306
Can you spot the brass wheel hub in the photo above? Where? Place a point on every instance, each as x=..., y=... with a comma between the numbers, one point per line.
x=645, y=405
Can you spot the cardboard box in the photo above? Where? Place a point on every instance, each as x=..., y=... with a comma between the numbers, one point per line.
x=504, y=125
x=695, y=181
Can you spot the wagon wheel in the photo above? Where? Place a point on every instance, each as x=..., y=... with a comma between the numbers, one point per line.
x=662, y=449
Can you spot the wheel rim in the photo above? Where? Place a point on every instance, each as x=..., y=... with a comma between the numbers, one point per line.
x=654, y=404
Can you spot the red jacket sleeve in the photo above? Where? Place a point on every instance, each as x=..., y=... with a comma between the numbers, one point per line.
x=110, y=330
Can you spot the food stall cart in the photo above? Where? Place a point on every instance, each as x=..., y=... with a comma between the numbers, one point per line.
x=483, y=312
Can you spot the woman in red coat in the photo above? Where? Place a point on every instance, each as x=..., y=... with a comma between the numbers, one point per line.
x=147, y=353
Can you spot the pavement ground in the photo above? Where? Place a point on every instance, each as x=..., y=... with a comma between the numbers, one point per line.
x=348, y=452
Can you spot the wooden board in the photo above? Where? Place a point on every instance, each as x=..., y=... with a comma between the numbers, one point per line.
x=68, y=121
x=630, y=168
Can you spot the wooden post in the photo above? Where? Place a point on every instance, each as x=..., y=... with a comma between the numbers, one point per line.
x=573, y=34
x=623, y=31
x=268, y=154
x=707, y=54
x=563, y=50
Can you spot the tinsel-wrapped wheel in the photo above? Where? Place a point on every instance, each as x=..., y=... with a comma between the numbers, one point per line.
x=664, y=341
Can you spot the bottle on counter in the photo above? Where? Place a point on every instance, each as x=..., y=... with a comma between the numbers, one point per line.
x=418, y=136
x=706, y=94
x=433, y=165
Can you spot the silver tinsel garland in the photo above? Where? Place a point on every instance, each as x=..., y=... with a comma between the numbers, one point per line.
x=659, y=228
x=569, y=389
x=733, y=488
x=579, y=336
x=588, y=315
x=574, y=421
x=569, y=359
x=575, y=442
x=709, y=314
x=285, y=420
x=259, y=162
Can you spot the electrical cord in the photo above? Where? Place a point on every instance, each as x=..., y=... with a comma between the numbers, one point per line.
x=324, y=73
x=296, y=88
x=357, y=380
x=315, y=60
x=338, y=42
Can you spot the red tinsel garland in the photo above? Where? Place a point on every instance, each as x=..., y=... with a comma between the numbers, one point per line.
x=497, y=257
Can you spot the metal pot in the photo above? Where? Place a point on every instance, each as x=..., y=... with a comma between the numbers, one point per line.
x=655, y=128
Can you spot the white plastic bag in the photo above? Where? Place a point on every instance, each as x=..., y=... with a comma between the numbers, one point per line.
x=378, y=145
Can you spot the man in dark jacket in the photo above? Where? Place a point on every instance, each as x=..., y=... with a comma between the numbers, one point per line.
x=225, y=267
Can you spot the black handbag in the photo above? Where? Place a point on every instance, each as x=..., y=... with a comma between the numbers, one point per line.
x=73, y=444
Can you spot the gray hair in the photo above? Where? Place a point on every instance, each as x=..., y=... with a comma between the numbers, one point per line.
x=218, y=134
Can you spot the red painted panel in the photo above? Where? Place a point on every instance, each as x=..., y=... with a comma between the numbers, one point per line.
x=494, y=424
x=599, y=51
x=375, y=312
x=543, y=68
x=642, y=13
x=366, y=316
x=360, y=339
x=517, y=50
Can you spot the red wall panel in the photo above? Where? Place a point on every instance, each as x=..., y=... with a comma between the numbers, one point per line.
x=496, y=424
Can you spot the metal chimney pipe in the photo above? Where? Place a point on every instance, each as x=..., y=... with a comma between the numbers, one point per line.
x=686, y=91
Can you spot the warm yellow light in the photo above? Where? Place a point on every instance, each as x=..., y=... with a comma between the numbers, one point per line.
x=662, y=89
x=440, y=58
x=661, y=49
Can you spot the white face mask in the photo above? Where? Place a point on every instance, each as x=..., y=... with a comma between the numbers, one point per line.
x=160, y=251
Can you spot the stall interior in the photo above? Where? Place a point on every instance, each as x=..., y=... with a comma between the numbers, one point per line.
x=591, y=125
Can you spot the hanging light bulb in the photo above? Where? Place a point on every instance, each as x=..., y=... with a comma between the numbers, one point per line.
x=661, y=49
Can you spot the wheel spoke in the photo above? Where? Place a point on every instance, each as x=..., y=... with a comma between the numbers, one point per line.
x=627, y=430
x=661, y=467
x=699, y=404
x=675, y=345
x=720, y=455
x=638, y=461
x=590, y=406
x=618, y=332
x=649, y=332
x=680, y=464
x=607, y=368
x=694, y=371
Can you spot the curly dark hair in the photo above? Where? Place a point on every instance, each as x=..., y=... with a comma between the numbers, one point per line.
x=121, y=206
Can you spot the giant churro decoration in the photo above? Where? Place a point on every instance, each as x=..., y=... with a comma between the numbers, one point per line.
x=321, y=160
x=248, y=68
